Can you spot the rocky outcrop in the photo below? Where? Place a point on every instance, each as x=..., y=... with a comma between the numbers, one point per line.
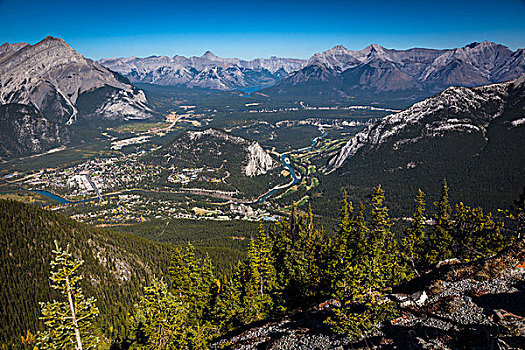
x=454, y=306
x=25, y=131
x=259, y=162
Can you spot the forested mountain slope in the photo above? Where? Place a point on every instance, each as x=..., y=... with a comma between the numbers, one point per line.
x=473, y=137
x=116, y=268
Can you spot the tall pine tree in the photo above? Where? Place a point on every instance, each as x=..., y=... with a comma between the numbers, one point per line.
x=69, y=323
x=413, y=241
x=439, y=244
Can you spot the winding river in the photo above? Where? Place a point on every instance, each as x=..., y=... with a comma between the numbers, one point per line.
x=296, y=177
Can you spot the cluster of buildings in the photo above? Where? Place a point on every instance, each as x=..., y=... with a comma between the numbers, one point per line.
x=97, y=175
x=188, y=175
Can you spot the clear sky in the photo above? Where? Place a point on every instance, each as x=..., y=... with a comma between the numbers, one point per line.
x=259, y=28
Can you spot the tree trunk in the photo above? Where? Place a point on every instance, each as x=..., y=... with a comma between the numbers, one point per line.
x=73, y=317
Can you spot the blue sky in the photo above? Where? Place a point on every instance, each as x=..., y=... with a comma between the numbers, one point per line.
x=255, y=28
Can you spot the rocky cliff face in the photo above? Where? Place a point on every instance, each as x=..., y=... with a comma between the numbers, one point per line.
x=259, y=162
x=25, y=131
x=457, y=109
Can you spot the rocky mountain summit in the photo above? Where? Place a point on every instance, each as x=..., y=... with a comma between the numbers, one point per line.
x=452, y=306
x=53, y=86
x=207, y=71
x=55, y=79
x=416, y=71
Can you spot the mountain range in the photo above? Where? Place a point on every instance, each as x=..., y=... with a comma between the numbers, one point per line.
x=207, y=71
x=47, y=87
x=335, y=72
x=413, y=72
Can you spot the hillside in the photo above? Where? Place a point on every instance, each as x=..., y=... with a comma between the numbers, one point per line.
x=453, y=306
x=217, y=160
x=473, y=137
x=117, y=267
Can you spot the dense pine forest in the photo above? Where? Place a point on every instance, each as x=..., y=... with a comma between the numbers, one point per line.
x=135, y=293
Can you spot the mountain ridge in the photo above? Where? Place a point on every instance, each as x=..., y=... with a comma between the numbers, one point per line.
x=191, y=71
x=472, y=137
x=419, y=71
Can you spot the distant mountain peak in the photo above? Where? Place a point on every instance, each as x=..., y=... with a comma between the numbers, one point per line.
x=376, y=47
x=482, y=44
x=209, y=55
x=207, y=71
x=338, y=48
x=51, y=39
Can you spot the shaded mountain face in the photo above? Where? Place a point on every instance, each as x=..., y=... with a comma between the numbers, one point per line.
x=117, y=266
x=207, y=71
x=473, y=137
x=26, y=131
x=415, y=71
x=48, y=86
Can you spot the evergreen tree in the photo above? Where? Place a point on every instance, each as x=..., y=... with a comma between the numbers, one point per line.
x=476, y=235
x=517, y=213
x=347, y=255
x=260, y=279
x=191, y=279
x=412, y=243
x=228, y=309
x=299, y=252
x=178, y=316
x=364, y=273
x=159, y=320
x=69, y=324
x=317, y=250
x=439, y=244
x=381, y=255
x=290, y=262
x=193, y=284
